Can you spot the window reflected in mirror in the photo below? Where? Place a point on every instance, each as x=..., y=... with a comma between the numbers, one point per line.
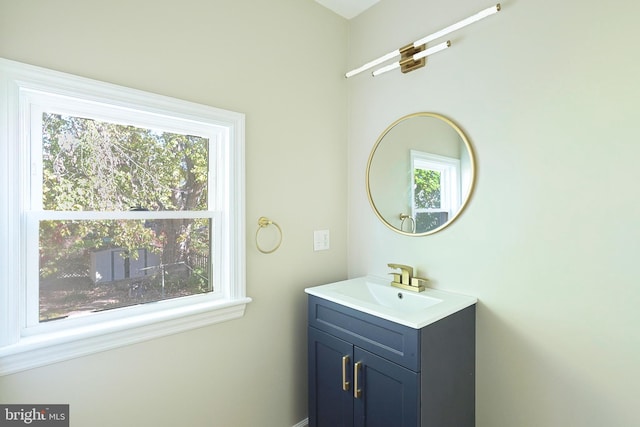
x=436, y=189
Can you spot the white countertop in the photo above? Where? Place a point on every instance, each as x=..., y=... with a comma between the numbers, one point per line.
x=376, y=296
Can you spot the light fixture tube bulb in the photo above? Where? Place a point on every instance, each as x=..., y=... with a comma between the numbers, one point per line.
x=386, y=69
x=435, y=49
x=460, y=24
x=373, y=63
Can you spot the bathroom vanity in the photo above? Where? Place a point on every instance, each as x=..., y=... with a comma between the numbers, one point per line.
x=379, y=356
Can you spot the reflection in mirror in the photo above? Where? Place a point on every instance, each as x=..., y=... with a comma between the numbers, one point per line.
x=420, y=174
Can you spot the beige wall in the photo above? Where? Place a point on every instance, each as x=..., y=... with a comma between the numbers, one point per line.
x=280, y=63
x=547, y=92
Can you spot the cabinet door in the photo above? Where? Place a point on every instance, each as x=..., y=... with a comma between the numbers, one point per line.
x=330, y=380
x=389, y=394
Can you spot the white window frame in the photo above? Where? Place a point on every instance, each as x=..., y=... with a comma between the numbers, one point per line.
x=449, y=169
x=26, y=91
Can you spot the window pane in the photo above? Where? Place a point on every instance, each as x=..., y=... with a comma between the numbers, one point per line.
x=92, y=165
x=90, y=266
x=428, y=188
x=426, y=221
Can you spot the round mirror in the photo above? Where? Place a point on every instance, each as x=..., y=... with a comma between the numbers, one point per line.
x=420, y=174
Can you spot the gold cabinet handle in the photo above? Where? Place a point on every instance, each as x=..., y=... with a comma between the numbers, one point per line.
x=357, y=393
x=345, y=364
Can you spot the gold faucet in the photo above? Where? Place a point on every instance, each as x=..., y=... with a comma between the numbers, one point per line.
x=405, y=279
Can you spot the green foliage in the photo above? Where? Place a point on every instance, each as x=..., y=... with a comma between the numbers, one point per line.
x=428, y=195
x=91, y=165
x=427, y=190
x=100, y=166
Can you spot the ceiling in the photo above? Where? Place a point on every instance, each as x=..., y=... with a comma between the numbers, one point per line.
x=348, y=8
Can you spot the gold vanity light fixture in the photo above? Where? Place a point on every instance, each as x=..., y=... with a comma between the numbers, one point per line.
x=412, y=56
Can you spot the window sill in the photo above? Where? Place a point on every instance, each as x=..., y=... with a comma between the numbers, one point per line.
x=32, y=352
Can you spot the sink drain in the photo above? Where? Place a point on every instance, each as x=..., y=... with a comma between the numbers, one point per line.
x=400, y=295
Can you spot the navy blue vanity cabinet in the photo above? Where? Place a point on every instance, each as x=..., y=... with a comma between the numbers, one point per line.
x=365, y=371
x=330, y=399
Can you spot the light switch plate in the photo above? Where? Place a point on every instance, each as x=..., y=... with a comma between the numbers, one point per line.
x=321, y=240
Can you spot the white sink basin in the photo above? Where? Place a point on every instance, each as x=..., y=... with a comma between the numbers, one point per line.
x=376, y=296
x=371, y=292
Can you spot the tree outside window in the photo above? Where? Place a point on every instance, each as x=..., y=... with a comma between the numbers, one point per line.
x=93, y=265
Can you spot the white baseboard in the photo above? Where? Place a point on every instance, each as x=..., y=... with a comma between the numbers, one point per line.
x=303, y=423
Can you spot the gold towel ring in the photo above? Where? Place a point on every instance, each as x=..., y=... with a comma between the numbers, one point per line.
x=262, y=223
x=404, y=217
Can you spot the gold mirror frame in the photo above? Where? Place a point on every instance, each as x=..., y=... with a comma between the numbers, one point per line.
x=466, y=193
